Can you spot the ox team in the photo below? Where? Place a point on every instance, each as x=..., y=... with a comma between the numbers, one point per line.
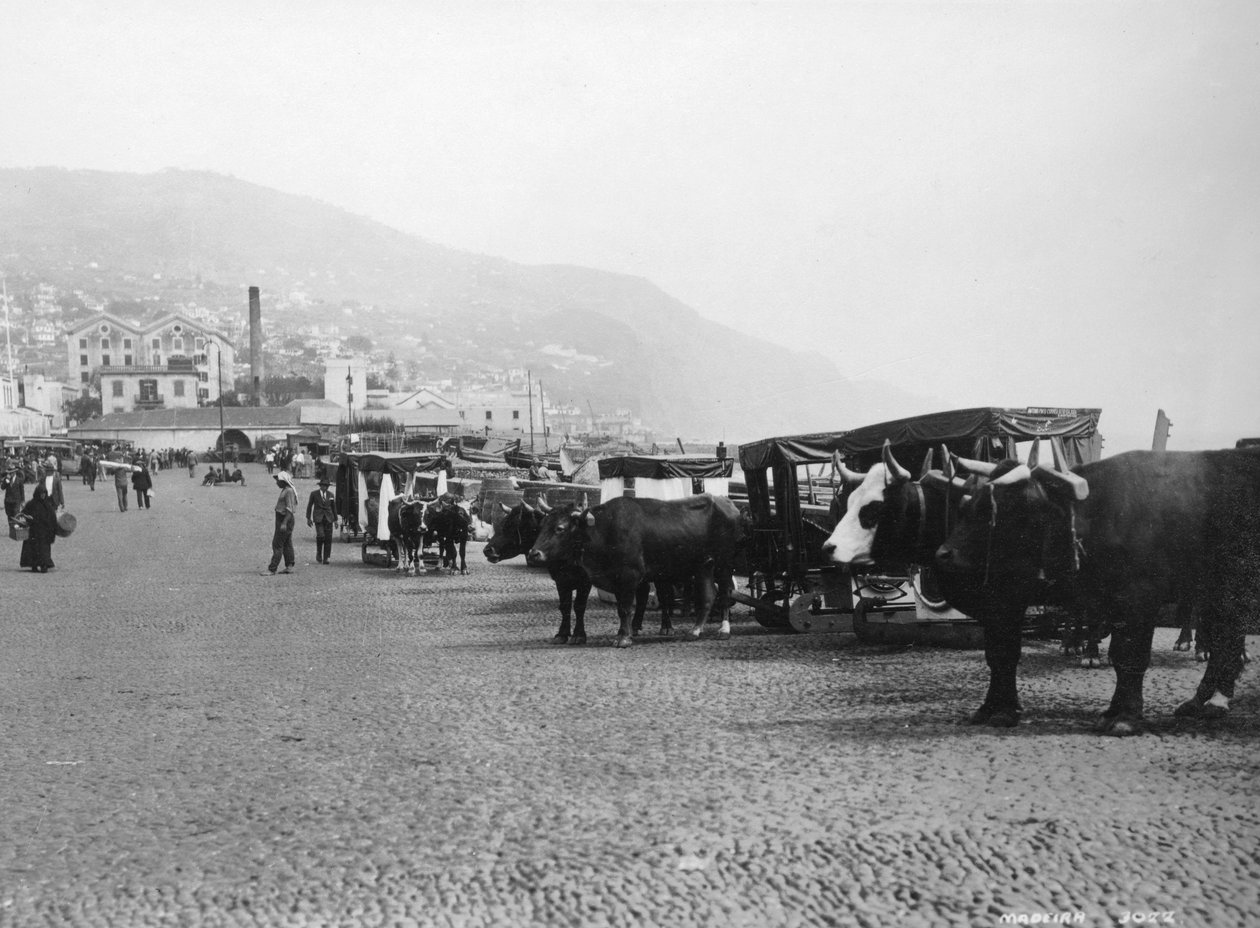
x=625, y=545
x=1119, y=538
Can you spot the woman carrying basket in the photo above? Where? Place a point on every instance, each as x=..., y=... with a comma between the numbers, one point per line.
x=41, y=519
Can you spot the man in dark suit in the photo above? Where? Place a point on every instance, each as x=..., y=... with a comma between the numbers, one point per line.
x=320, y=512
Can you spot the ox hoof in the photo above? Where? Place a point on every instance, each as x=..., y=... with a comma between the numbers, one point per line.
x=1190, y=709
x=560, y=639
x=1182, y=646
x=1091, y=663
x=1207, y=711
x=624, y=641
x=577, y=640
x=995, y=717
x=666, y=632
x=1119, y=726
x=1201, y=656
x=724, y=634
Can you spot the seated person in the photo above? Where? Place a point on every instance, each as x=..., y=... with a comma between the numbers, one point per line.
x=210, y=479
x=237, y=477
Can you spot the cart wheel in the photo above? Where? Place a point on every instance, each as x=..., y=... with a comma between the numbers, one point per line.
x=861, y=627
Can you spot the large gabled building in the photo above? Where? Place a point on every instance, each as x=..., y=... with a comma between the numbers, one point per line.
x=174, y=362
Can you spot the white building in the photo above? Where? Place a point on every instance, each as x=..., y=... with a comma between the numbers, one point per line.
x=173, y=349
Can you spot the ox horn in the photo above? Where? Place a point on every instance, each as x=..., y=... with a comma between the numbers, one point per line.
x=542, y=504
x=939, y=480
x=971, y=466
x=1034, y=453
x=947, y=467
x=927, y=464
x=848, y=476
x=896, y=472
x=1015, y=475
x=1057, y=454
x=504, y=506
x=1076, y=485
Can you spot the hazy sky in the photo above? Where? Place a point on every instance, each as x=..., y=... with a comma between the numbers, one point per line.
x=988, y=203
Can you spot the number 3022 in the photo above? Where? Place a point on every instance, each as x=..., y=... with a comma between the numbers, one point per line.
x=1147, y=918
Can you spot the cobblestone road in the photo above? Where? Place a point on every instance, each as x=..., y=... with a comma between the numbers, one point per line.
x=186, y=742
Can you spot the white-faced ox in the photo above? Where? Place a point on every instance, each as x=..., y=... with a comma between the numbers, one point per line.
x=406, y=529
x=1126, y=534
x=628, y=543
x=891, y=519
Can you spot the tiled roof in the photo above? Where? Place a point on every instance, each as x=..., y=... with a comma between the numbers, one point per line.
x=204, y=417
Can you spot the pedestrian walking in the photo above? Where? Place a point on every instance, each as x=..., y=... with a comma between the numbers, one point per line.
x=14, y=489
x=142, y=480
x=122, y=482
x=41, y=519
x=286, y=514
x=87, y=469
x=321, y=514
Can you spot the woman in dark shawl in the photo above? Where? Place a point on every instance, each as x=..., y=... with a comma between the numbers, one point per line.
x=41, y=517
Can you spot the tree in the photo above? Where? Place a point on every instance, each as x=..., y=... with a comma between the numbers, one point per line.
x=359, y=344
x=82, y=408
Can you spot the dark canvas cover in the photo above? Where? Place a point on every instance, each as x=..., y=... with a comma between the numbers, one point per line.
x=663, y=466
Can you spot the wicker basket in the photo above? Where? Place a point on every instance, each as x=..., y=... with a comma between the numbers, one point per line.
x=66, y=525
x=19, y=532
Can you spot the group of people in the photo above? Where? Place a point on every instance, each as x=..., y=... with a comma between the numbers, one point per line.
x=295, y=462
x=216, y=475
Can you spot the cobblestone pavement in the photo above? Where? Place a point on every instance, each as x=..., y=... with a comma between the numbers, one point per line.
x=187, y=742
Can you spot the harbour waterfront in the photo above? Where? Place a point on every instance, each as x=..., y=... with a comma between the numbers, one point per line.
x=185, y=741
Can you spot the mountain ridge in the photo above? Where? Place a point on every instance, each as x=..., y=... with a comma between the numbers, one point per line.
x=205, y=232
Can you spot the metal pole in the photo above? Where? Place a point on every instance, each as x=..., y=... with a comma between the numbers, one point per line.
x=218, y=349
x=542, y=411
x=350, y=397
x=529, y=380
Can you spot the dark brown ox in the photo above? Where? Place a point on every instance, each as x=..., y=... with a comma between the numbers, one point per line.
x=515, y=534
x=1123, y=535
x=558, y=548
x=627, y=543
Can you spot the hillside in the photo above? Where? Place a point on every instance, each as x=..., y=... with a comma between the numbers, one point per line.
x=594, y=337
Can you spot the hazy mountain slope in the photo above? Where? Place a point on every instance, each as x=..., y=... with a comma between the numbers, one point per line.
x=687, y=375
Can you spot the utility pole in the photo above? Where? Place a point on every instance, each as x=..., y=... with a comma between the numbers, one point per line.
x=350, y=397
x=542, y=411
x=222, y=442
x=9, y=339
x=529, y=380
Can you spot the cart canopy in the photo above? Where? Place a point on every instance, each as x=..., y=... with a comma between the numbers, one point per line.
x=397, y=464
x=986, y=433
x=664, y=466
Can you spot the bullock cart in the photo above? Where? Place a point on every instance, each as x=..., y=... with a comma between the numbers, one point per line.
x=795, y=501
x=365, y=483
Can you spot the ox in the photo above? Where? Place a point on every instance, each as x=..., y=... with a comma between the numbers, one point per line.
x=558, y=548
x=515, y=534
x=627, y=543
x=1124, y=535
x=448, y=524
x=406, y=532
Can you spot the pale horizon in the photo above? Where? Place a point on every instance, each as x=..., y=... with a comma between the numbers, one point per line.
x=988, y=204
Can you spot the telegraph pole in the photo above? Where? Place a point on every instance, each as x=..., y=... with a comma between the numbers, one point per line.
x=529, y=380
